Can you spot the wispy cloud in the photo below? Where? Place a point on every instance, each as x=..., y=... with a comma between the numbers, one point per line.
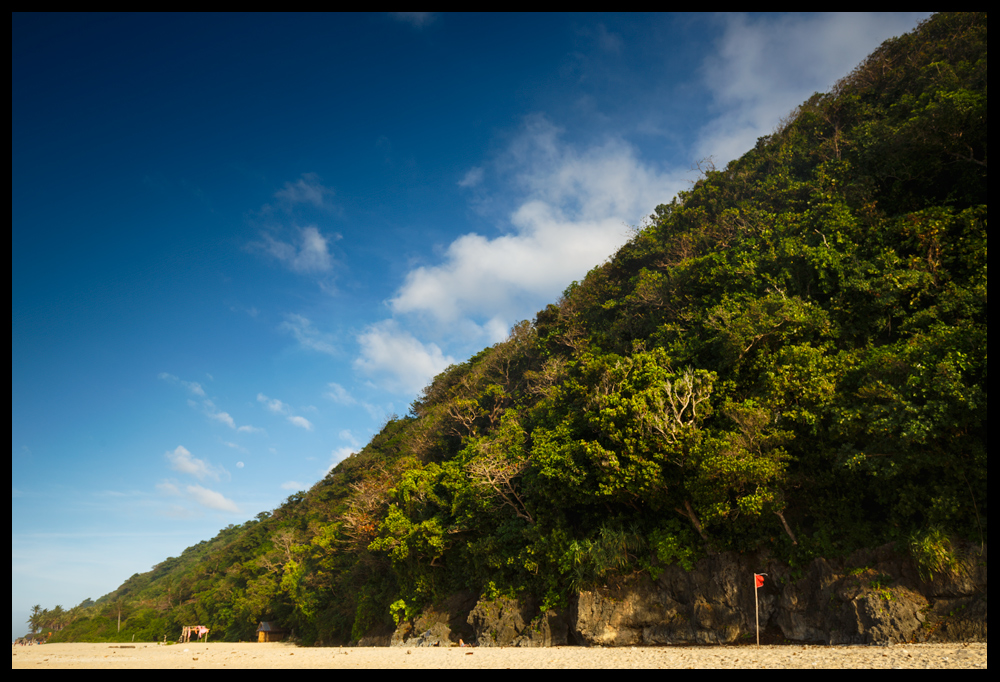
x=278, y=407
x=183, y=461
x=302, y=249
x=307, y=335
x=338, y=456
x=339, y=395
x=310, y=254
x=192, y=386
x=273, y=404
x=168, y=488
x=211, y=499
x=472, y=178
x=209, y=409
x=378, y=412
x=301, y=422
x=206, y=406
x=348, y=436
x=764, y=66
x=201, y=496
x=306, y=190
x=222, y=417
x=293, y=485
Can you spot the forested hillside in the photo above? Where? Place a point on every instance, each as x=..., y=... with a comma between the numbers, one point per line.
x=790, y=355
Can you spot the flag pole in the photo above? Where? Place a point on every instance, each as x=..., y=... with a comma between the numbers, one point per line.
x=758, y=582
x=756, y=608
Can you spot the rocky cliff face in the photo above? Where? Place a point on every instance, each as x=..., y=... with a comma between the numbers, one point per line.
x=871, y=597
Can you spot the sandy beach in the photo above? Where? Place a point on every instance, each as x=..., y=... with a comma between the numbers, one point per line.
x=222, y=655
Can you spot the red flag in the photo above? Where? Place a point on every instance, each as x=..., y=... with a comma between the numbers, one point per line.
x=758, y=580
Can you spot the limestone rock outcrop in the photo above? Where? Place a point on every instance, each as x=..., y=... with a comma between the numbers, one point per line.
x=443, y=624
x=870, y=597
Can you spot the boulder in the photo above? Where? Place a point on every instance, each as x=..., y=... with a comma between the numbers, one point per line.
x=511, y=622
x=442, y=624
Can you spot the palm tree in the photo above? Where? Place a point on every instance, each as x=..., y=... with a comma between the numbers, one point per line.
x=56, y=618
x=35, y=621
x=116, y=607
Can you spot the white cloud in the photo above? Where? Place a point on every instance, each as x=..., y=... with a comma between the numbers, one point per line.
x=181, y=460
x=575, y=211
x=274, y=405
x=763, y=67
x=306, y=190
x=407, y=363
x=577, y=201
x=223, y=417
x=211, y=499
x=605, y=180
x=306, y=334
x=168, y=488
x=338, y=456
x=196, y=493
x=347, y=435
x=293, y=485
x=209, y=409
x=575, y=208
x=192, y=386
x=301, y=422
x=310, y=255
x=376, y=412
x=278, y=407
x=339, y=395
x=472, y=178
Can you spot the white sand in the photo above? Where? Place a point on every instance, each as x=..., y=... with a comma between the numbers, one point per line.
x=221, y=655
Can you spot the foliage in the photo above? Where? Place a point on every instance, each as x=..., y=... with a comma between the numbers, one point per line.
x=790, y=355
x=933, y=553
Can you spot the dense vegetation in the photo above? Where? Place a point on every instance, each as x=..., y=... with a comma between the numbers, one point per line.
x=790, y=356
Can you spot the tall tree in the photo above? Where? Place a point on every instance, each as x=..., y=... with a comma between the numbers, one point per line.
x=35, y=620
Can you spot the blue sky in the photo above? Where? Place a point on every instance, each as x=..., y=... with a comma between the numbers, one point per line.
x=239, y=242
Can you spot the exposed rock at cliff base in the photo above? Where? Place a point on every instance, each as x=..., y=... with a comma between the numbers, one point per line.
x=870, y=597
x=511, y=622
x=443, y=624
